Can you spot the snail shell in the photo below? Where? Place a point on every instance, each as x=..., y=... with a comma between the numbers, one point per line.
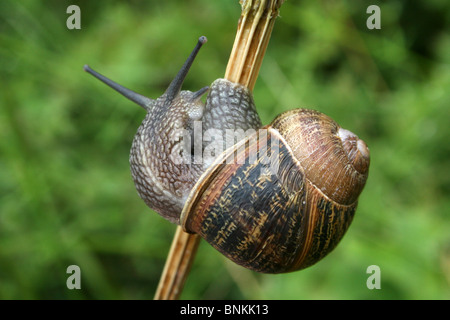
x=289, y=208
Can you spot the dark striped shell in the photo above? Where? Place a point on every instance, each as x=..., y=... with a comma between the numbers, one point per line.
x=289, y=206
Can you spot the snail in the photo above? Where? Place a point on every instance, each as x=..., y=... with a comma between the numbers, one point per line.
x=277, y=200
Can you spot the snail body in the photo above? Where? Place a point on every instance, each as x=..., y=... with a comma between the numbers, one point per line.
x=278, y=200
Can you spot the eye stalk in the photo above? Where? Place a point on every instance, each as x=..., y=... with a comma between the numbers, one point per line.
x=172, y=91
x=175, y=86
x=141, y=100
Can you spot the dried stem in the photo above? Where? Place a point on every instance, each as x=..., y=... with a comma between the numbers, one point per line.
x=181, y=255
x=254, y=30
x=252, y=37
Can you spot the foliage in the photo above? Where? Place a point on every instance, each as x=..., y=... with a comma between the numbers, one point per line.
x=66, y=195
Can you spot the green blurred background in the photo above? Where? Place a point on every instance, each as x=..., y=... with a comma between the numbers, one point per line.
x=66, y=194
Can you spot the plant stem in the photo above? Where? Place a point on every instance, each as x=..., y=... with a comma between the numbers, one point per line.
x=252, y=37
x=181, y=255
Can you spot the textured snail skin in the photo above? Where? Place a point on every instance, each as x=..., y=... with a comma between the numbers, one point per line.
x=230, y=106
x=281, y=221
x=161, y=183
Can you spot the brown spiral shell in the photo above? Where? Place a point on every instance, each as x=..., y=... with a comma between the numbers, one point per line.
x=287, y=207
